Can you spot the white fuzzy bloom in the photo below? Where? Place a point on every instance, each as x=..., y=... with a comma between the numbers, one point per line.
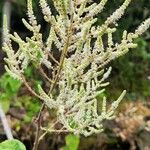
x=45, y=10
x=143, y=27
x=75, y=55
x=118, y=13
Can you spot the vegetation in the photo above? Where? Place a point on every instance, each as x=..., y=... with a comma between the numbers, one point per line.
x=71, y=89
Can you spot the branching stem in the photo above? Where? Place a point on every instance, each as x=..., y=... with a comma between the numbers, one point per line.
x=62, y=58
x=30, y=89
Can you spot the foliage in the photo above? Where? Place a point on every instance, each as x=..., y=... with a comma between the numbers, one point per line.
x=133, y=17
x=31, y=106
x=9, y=94
x=72, y=142
x=9, y=88
x=12, y=145
x=9, y=84
x=78, y=76
x=135, y=68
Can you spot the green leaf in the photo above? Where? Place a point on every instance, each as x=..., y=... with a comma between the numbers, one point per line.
x=5, y=101
x=29, y=72
x=9, y=85
x=12, y=145
x=37, y=82
x=72, y=142
x=31, y=105
x=14, y=85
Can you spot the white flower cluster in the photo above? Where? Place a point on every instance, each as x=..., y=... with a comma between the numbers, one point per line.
x=79, y=75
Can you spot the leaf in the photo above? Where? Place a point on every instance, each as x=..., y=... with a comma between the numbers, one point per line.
x=14, y=85
x=29, y=72
x=31, y=106
x=5, y=101
x=12, y=145
x=8, y=84
x=72, y=142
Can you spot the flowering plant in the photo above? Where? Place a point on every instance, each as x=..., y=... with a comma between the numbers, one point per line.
x=79, y=75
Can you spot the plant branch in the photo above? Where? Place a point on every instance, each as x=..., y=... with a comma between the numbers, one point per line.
x=38, y=122
x=52, y=57
x=30, y=89
x=64, y=52
x=45, y=75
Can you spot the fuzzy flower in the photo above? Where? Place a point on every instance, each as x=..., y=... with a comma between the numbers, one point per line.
x=72, y=61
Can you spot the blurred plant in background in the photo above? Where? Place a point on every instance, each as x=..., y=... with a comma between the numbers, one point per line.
x=72, y=142
x=8, y=90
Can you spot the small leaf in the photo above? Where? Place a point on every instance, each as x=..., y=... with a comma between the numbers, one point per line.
x=14, y=85
x=29, y=72
x=8, y=84
x=72, y=142
x=5, y=101
x=12, y=145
